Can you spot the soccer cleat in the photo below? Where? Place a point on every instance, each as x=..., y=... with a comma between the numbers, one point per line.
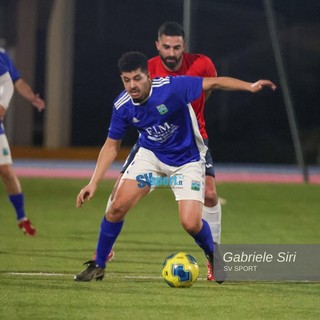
x=216, y=265
x=109, y=258
x=210, y=275
x=93, y=271
x=26, y=226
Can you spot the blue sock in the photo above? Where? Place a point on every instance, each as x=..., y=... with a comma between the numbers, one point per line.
x=109, y=232
x=18, y=202
x=204, y=238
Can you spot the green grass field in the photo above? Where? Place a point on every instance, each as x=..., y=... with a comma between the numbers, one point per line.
x=36, y=274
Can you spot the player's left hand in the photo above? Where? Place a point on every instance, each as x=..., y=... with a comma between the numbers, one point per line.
x=259, y=85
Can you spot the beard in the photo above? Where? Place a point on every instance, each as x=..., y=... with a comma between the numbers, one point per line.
x=170, y=62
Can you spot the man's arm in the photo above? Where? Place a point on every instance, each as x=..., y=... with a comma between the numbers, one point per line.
x=106, y=157
x=25, y=91
x=233, y=84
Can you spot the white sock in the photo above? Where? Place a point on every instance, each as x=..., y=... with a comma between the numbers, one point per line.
x=107, y=208
x=108, y=204
x=213, y=216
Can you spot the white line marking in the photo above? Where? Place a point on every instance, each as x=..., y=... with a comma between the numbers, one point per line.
x=116, y=275
x=44, y=274
x=47, y=274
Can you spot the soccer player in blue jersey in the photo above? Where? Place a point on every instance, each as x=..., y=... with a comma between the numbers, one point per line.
x=172, y=60
x=9, y=178
x=170, y=145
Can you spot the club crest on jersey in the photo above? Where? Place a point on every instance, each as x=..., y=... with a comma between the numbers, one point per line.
x=162, y=109
x=195, y=185
x=5, y=152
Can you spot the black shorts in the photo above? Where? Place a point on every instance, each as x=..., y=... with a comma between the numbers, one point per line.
x=209, y=160
x=130, y=157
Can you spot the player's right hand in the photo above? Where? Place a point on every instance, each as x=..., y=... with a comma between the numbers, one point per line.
x=38, y=103
x=85, y=194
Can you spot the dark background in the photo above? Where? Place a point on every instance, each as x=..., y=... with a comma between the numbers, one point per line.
x=242, y=127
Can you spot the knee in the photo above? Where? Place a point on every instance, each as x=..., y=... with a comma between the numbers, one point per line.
x=116, y=211
x=210, y=197
x=191, y=228
x=6, y=173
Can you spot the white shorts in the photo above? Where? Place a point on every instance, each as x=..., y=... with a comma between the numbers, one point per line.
x=5, y=154
x=187, y=181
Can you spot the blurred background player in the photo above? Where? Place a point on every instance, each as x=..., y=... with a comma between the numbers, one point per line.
x=174, y=61
x=8, y=176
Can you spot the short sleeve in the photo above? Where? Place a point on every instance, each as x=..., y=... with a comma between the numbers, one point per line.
x=14, y=73
x=187, y=88
x=118, y=125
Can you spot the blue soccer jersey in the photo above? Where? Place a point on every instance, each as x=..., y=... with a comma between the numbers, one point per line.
x=3, y=67
x=166, y=122
x=4, y=59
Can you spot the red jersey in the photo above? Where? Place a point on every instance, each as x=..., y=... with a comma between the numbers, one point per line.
x=192, y=65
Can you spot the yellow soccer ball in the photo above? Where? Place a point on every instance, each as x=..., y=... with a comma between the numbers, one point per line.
x=180, y=270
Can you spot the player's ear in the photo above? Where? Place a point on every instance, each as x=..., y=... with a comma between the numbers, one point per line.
x=157, y=45
x=185, y=46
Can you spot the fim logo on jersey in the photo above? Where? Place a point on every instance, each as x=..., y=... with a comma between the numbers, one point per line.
x=195, y=185
x=162, y=132
x=175, y=181
x=162, y=109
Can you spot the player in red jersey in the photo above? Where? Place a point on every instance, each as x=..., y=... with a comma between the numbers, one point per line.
x=174, y=61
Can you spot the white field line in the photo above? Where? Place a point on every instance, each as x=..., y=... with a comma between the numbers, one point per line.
x=46, y=274
x=115, y=275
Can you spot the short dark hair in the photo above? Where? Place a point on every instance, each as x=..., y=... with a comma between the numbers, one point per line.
x=171, y=28
x=133, y=60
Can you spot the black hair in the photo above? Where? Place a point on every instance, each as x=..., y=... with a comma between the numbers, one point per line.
x=171, y=28
x=133, y=60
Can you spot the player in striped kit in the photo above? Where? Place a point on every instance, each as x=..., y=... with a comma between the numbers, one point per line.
x=174, y=61
x=170, y=144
